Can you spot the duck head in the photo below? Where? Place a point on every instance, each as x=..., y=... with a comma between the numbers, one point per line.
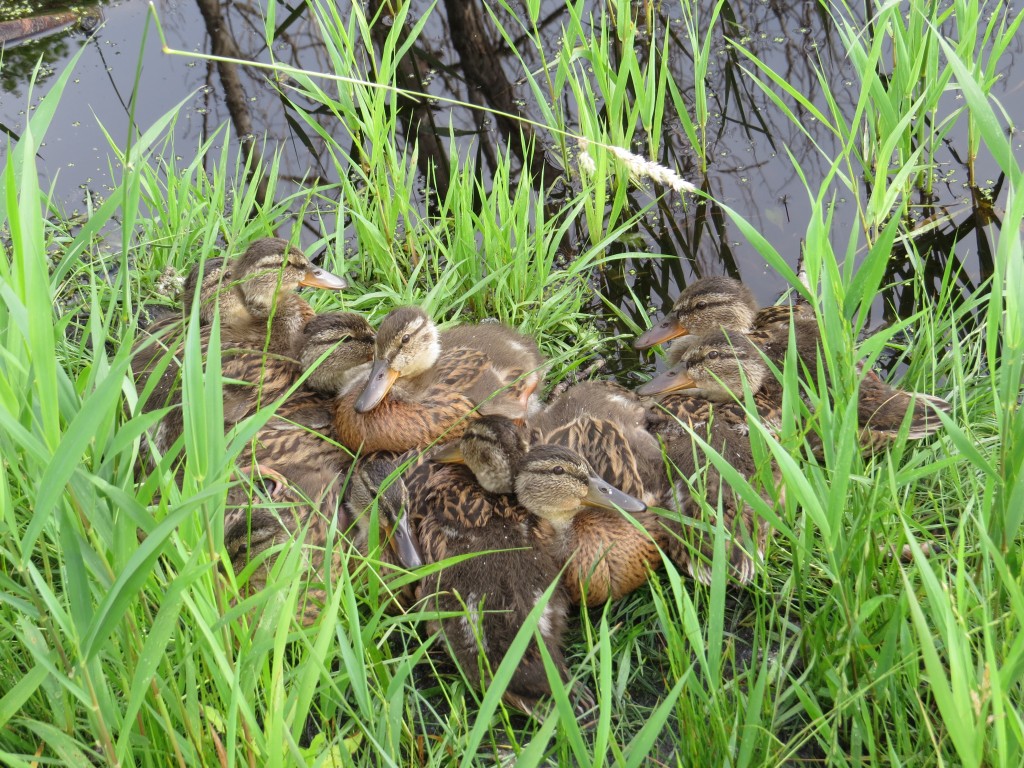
x=347, y=340
x=709, y=304
x=713, y=366
x=407, y=345
x=271, y=266
x=554, y=483
x=492, y=447
x=378, y=480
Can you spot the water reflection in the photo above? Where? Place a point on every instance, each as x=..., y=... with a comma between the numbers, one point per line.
x=460, y=53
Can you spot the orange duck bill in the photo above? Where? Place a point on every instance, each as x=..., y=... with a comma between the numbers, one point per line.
x=668, y=329
x=321, y=278
x=672, y=380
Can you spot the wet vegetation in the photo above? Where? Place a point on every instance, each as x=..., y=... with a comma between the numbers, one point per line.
x=124, y=639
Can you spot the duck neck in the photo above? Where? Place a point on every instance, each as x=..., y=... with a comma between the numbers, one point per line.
x=230, y=301
x=286, y=322
x=557, y=533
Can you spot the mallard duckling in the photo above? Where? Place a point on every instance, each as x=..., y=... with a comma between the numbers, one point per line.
x=464, y=510
x=419, y=388
x=687, y=535
x=261, y=331
x=299, y=440
x=715, y=365
x=615, y=556
x=717, y=303
x=280, y=513
x=607, y=425
x=347, y=340
x=515, y=365
x=584, y=525
x=263, y=353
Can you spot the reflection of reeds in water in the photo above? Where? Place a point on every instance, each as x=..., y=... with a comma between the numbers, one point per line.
x=639, y=167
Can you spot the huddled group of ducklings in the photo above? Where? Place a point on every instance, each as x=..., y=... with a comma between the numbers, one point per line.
x=442, y=431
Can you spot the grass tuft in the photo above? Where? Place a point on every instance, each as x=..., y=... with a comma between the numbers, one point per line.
x=126, y=640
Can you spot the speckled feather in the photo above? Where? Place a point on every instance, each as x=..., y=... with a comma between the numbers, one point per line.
x=606, y=424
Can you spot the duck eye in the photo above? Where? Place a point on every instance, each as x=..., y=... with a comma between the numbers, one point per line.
x=713, y=354
x=701, y=305
x=558, y=470
x=405, y=339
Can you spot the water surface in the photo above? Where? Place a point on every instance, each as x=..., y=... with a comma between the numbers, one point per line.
x=460, y=55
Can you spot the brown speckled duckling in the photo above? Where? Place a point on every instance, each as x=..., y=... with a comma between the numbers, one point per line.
x=469, y=509
x=281, y=514
x=584, y=525
x=299, y=440
x=712, y=305
x=714, y=366
x=719, y=303
x=260, y=335
x=608, y=426
x=421, y=387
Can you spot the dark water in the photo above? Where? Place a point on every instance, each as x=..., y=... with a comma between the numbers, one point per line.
x=460, y=55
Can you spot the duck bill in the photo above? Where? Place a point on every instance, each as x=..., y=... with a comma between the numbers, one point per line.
x=321, y=278
x=671, y=380
x=403, y=543
x=528, y=389
x=382, y=378
x=602, y=494
x=450, y=454
x=668, y=329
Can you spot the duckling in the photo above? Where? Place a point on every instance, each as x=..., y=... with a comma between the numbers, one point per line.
x=261, y=330
x=614, y=555
x=299, y=440
x=280, y=512
x=421, y=387
x=687, y=533
x=607, y=559
x=618, y=435
x=348, y=339
x=715, y=303
x=607, y=425
x=263, y=353
x=722, y=303
x=715, y=365
x=467, y=509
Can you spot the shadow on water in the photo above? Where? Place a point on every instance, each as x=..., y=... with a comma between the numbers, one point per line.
x=460, y=54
